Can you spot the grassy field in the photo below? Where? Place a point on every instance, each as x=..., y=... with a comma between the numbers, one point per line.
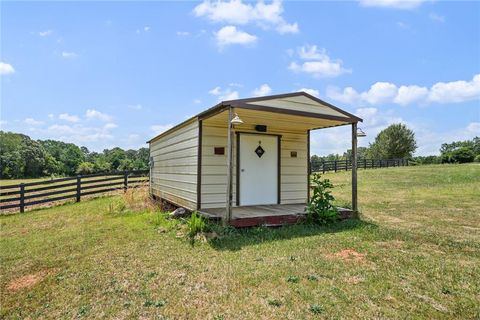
x=9, y=182
x=415, y=253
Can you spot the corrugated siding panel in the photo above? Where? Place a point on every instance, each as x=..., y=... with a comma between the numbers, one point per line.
x=214, y=167
x=174, y=174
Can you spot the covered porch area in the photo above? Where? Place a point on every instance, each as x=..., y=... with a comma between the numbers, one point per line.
x=254, y=166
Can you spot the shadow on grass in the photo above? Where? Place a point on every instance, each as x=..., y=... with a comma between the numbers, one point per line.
x=236, y=239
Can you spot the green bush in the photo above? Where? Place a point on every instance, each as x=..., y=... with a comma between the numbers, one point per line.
x=195, y=225
x=477, y=158
x=320, y=209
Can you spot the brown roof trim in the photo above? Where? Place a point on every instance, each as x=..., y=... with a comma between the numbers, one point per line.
x=250, y=106
x=294, y=94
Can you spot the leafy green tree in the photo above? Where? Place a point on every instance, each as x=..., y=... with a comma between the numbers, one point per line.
x=396, y=141
x=85, y=168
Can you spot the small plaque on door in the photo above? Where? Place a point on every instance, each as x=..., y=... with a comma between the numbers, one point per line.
x=293, y=154
x=259, y=151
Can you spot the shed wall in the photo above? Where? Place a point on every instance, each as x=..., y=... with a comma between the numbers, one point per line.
x=174, y=172
x=293, y=171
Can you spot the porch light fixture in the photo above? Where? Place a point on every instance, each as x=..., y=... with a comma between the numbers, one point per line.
x=236, y=120
x=360, y=133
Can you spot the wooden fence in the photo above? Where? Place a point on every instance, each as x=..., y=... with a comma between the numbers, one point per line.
x=345, y=165
x=35, y=193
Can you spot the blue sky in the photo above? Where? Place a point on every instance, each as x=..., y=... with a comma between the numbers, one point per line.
x=115, y=74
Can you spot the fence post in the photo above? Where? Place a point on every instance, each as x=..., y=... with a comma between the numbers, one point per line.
x=22, y=197
x=79, y=187
x=346, y=165
x=335, y=165
x=125, y=181
x=323, y=166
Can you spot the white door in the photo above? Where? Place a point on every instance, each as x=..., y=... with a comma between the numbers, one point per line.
x=258, y=169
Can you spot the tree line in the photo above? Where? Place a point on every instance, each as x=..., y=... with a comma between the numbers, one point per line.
x=23, y=157
x=398, y=142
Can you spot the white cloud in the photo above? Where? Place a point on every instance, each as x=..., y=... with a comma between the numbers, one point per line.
x=263, y=90
x=231, y=35
x=436, y=17
x=95, y=114
x=197, y=101
x=385, y=93
x=394, y=4
x=45, y=33
x=455, y=91
x=6, y=68
x=183, y=33
x=474, y=127
x=236, y=12
x=68, y=117
x=69, y=55
x=215, y=91
x=317, y=63
x=51, y=116
x=159, y=128
x=32, y=122
x=80, y=134
x=223, y=95
x=407, y=95
x=109, y=126
x=403, y=25
x=146, y=28
x=135, y=107
x=312, y=92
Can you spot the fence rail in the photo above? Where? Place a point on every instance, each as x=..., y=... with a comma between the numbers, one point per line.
x=345, y=165
x=34, y=193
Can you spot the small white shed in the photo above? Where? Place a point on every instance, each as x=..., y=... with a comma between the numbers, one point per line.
x=254, y=167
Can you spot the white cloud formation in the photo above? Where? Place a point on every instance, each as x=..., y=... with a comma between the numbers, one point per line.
x=69, y=55
x=146, y=28
x=135, y=107
x=183, y=33
x=159, y=128
x=32, y=122
x=6, y=68
x=236, y=12
x=95, y=114
x=474, y=127
x=312, y=92
x=436, y=17
x=317, y=63
x=45, y=33
x=68, y=117
x=231, y=35
x=393, y=4
x=80, y=134
x=224, y=95
x=388, y=93
x=263, y=90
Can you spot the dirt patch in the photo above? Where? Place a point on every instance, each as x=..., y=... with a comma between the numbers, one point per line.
x=27, y=281
x=348, y=255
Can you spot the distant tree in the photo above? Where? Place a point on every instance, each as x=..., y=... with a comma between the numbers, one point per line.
x=461, y=155
x=361, y=153
x=85, y=168
x=460, y=151
x=114, y=156
x=396, y=141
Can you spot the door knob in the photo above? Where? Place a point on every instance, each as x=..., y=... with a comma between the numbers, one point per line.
x=242, y=170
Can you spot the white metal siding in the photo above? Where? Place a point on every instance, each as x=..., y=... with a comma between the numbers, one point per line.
x=174, y=173
x=293, y=171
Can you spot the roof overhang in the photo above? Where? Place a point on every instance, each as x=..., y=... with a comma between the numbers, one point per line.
x=332, y=115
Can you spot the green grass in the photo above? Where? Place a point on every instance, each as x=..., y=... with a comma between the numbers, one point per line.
x=414, y=254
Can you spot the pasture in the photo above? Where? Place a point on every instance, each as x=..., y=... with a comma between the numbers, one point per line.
x=415, y=253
